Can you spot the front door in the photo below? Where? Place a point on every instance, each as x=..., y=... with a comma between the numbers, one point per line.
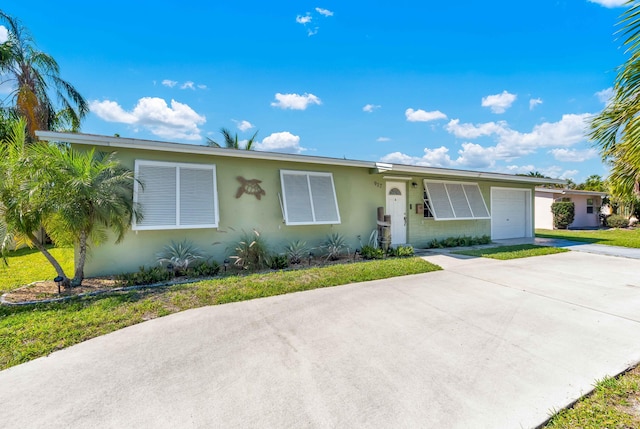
x=397, y=208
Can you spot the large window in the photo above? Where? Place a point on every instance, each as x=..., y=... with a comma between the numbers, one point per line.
x=175, y=195
x=308, y=198
x=454, y=200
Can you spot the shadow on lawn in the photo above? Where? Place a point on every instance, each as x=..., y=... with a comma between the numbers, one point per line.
x=570, y=237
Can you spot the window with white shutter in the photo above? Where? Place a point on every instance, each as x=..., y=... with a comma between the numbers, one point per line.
x=455, y=200
x=309, y=198
x=175, y=195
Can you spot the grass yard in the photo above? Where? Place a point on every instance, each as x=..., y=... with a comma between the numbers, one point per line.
x=28, y=332
x=615, y=403
x=29, y=265
x=512, y=252
x=611, y=237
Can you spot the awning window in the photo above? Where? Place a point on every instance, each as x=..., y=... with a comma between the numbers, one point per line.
x=309, y=198
x=455, y=200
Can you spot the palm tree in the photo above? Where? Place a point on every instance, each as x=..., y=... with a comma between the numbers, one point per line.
x=78, y=196
x=34, y=77
x=616, y=130
x=92, y=194
x=23, y=201
x=231, y=142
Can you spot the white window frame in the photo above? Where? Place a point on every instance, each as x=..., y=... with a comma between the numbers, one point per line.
x=137, y=188
x=308, y=174
x=445, y=183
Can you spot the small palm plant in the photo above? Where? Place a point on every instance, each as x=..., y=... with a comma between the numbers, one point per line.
x=178, y=256
x=334, y=245
x=296, y=251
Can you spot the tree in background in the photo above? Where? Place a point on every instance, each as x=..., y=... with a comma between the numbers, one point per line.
x=38, y=93
x=616, y=130
x=78, y=196
x=231, y=142
x=593, y=183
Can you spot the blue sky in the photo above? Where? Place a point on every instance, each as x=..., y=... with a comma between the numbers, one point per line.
x=497, y=86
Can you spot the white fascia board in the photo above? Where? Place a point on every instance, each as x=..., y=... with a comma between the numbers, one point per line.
x=478, y=175
x=571, y=192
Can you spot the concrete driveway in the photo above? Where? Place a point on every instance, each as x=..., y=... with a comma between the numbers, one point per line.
x=483, y=344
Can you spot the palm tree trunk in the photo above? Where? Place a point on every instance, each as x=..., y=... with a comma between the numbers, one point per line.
x=82, y=256
x=34, y=240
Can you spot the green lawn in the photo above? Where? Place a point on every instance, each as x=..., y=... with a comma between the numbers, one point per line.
x=615, y=403
x=28, y=332
x=611, y=237
x=512, y=252
x=30, y=265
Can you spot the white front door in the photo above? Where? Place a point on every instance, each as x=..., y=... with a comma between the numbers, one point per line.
x=397, y=208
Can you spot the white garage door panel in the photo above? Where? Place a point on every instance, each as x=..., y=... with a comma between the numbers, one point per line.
x=509, y=213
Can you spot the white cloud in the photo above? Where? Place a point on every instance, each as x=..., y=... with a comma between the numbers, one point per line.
x=324, y=12
x=471, y=131
x=499, y=103
x=169, y=83
x=609, y=3
x=383, y=139
x=423, y=116
x=573, y=155
x=312, y=32
x=284, y=142
x=534, y=102
x=179, y=121
x=303, y=19
x=470, y=156
x=370, y=107
x=4, y=34
x=605, y=95
x=188, y=85
x=202, y=86
x=553, y=171
x=244, y=125
x=295, y=101
x=512, y=144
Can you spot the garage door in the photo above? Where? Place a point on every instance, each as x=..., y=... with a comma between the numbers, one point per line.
x=510, y=213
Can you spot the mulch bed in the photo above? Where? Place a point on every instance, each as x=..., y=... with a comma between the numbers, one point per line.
x=45, y=290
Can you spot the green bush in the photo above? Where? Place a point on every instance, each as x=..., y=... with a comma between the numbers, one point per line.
x=145, y=276
x=617, y=221
x=370, y=252
x=463, y=241
x=278, y=262
x=563, y=214
x=296, y=251
x=334, y=246
x=401, y=251
x=203, y=269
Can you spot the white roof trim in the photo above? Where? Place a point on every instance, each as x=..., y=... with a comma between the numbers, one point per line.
x=379, y=167
x=571, y=192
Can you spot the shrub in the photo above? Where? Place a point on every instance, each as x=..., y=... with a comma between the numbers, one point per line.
x=617, y=221
x=278, y=262
x=563, y=214
x=334, y=245
x=145, y=276
x=178, y=256
x=458, y=241
x=251, y=252
x=370, y=252
x=403, y=251
x=203, y=269
x=296, y=251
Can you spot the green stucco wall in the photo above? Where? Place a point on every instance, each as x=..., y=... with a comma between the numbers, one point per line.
x=357, y=193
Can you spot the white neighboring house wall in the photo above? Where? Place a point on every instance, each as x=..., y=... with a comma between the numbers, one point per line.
x=586, y=215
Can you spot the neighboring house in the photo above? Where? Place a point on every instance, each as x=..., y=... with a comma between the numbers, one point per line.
x=588, y=205
x=211, y=195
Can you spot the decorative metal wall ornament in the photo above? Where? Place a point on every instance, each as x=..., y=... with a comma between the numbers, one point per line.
x=251, y=187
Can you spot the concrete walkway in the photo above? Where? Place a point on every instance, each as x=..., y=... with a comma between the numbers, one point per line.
x=482, y=344
x=599, y=249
